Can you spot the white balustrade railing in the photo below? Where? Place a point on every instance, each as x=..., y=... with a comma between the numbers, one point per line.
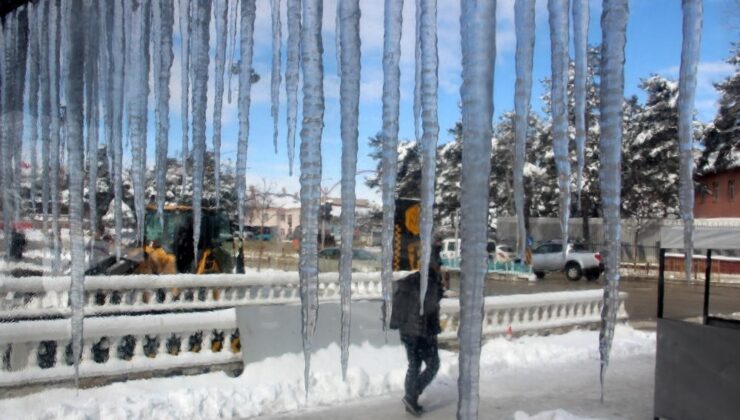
x=36, y=297
x=40, y=351
x=34, y=351
x=531, y=312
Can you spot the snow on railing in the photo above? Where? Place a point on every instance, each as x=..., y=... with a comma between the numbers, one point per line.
x=35, y=297
x=532, y=312
x=40, y=351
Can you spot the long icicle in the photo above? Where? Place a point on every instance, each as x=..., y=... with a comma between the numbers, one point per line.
x=525, y=32
x=117, y=47
x=19, y=87
x=220, y=20
x=184, y=86
x=580, y=44
x=613, y=27
x=391, y=102
x=201, y=20
x=246, y=49
x=478, y=35
x=417, y=73
x=33, y=97
x=138, y=90
x=75, y=146
x=430, y=133
x=349, y=100
x=291, y=75
x=313, y=125
x=275, y=73
x=91, y=111
x=6, y=226
x=163, y=21
x=234, y=13
x=45, y=98
x=8, y=135
x=105, y=80
x=54, y=165
x=558, y=11
x=693, y=11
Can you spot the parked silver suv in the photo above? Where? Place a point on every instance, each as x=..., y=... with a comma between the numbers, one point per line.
x=579, y=261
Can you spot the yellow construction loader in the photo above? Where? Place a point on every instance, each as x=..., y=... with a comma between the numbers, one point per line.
x=169, y=245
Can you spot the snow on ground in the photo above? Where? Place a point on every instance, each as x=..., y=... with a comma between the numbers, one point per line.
x=275, y=386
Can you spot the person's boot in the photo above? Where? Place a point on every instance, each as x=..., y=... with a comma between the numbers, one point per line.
x=412, y=406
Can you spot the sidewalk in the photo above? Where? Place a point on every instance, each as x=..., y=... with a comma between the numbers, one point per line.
x=573, y=387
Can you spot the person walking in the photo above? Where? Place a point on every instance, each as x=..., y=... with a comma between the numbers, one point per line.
x=418, y=332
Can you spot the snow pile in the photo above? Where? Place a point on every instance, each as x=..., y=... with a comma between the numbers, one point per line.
x=276, y=385
x=558, y=414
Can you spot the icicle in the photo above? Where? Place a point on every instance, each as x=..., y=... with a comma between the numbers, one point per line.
x=55, y=112
x=19, y=86
x=478, y=33
x=693, y=11
x=391, y=100
x=137, y=88
x=275, y=74
x=33, y=97
x=430, y=132
x=558, y=10
x=525, y=29
x=417, y=73
x=201, y=20
x=245, y=85
x=162, y=22
x=349, y=91
x=6, y=225
x=580, y=44
x=184, y=85
x=8, y=127
x=117, y=47
x=43, y=31
x=313, y=124
x=613, y=27
x=105, y=80
x=91, y=109
x=246, y=50
x=74, y=119
x=235, y=14
x=221, y=24
x=337, y=39
x=291, y=74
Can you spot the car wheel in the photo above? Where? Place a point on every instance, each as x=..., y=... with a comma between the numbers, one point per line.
x=573, y=271
x=540, y=274
x=593, y=275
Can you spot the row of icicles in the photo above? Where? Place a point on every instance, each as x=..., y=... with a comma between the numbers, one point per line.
x=70, y=80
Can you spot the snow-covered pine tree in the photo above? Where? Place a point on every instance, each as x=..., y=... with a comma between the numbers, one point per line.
x=650, y=161
x=722, y=136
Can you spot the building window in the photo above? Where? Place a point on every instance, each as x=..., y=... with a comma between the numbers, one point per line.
x=282, y=217
x=290, y=220
x=731, y=190
x=715, y=191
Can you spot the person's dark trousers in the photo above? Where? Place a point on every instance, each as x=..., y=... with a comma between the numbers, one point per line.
x=420, y=349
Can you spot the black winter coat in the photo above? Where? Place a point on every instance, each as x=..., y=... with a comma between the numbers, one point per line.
x=405, y=314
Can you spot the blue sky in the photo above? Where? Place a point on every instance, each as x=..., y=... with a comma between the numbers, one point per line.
x=653, y=46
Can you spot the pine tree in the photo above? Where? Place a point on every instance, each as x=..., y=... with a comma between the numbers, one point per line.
x=722, y=136
x=650, y=158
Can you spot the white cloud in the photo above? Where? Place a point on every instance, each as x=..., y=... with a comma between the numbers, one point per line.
x=708, y=73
